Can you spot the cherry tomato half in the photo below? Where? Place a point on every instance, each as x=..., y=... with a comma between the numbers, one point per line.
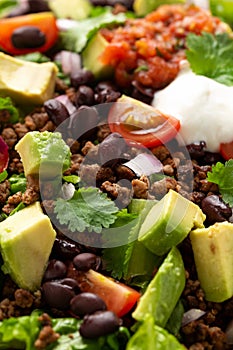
x=13, y=32
x=226, y=150
x=118, y=297
x=141, y=123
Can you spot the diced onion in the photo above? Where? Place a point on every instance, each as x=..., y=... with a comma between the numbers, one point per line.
x=145, y=164
x=192, y=315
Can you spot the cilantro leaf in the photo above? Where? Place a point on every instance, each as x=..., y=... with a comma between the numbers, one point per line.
x=211, y=56
x=116, y=258
x=75, y=39
x=222, y=175
x=88, y=209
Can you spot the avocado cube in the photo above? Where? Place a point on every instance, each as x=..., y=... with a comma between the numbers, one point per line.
x=169, y=222
x=26, y=240
x=26, y=82
x=43, y=153
x=212, y=248
x=91, y=57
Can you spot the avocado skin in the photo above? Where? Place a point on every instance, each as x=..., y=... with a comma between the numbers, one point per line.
x=164, y=290
x=212, y=248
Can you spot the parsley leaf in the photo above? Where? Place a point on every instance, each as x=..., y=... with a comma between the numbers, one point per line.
x=88, y=209
x=211, y=56
x=75, y=39
x=222, y=175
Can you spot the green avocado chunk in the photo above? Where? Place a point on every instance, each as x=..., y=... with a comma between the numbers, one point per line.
x=143, y=7
x=75, y=9
x=169, y=222
x=213, y=247
x=164, y=291
x=26, y=240
x=91, y=57
x=43, y=153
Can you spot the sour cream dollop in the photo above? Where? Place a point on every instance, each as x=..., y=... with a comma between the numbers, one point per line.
x=203, y=106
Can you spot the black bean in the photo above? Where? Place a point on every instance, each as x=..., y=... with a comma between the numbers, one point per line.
x=55, y=269
x=57, y=295
x=215, y=209
x=99, y=324
x=112, y=148
x=38, y=6
x=28, y=37
x=85, y=96
x=197, y=149
x=86, y=303
x=86, y=261
x=127, y=3
x=105, y=86
x=83, y=122
x=56, y=110
x=70, y=282
x=65, y=249
x=81, y=77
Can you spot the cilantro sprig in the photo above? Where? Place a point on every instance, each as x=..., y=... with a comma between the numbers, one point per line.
x=222, y=175
x=211, y=55
x=88, y=209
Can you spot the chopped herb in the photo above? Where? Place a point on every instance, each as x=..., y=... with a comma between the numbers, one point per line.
x=18, y=183
x=36, y=57
x=74, y=179
x=141, y=68
x=89, y=209
x=3, y=176
x=211, y=56
x=19, y=207
x=6, y=106
x=222, y=175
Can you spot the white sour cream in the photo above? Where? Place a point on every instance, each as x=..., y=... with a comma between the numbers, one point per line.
x=203, y=106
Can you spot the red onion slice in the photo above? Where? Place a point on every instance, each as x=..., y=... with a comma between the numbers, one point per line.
x=192, y=315
x=145, y=164
x=64, y=99
x=70, y=61
x=4, y=155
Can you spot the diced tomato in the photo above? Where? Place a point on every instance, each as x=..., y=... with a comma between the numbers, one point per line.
x=226, y=150
x=141, y=123
x=118, y=297
x=114, y=53
x=44, y=21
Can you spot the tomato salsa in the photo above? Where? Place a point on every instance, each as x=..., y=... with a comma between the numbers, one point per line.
x=146, y=52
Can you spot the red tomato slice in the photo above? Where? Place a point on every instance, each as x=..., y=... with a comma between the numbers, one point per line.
x=141, y=123
x=226, y=150
x=118, y=297
x=44, y=21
